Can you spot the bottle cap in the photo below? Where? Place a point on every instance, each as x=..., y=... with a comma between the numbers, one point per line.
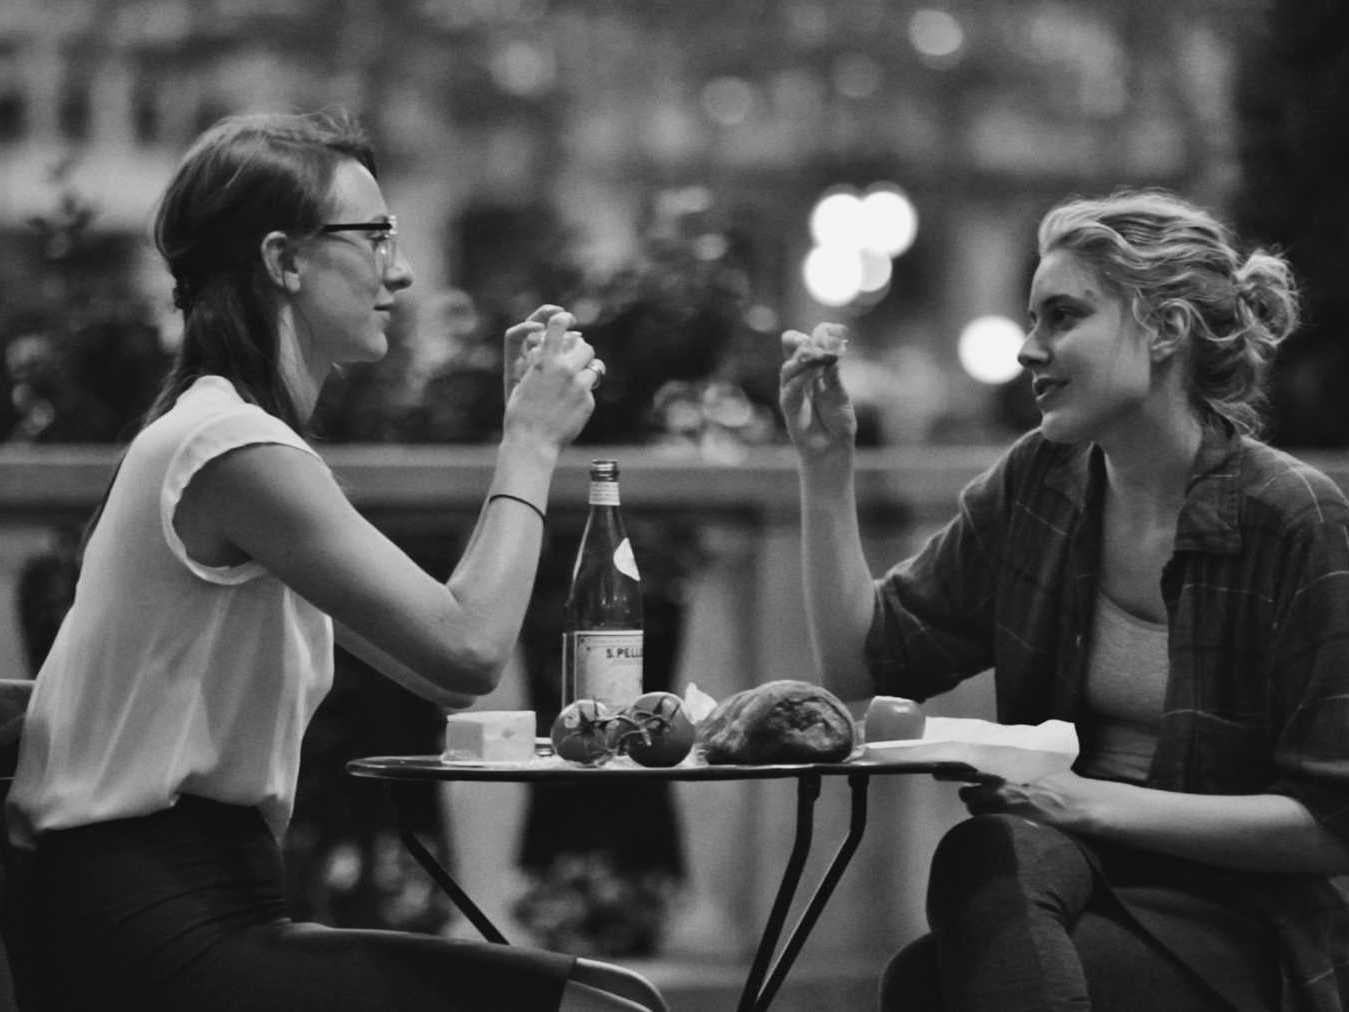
x=604, y=469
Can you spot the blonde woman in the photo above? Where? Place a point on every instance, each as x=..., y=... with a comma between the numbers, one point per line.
x=1142, y=566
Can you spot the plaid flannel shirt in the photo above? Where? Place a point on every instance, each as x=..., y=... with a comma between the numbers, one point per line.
x=1257, y=599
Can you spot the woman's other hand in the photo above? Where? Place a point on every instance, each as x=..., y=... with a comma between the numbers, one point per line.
x=1255, y=832
x=1062, y=799
x=556, y=370
x=815, y=406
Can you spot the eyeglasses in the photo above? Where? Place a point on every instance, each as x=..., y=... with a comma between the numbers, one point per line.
x=383, y=238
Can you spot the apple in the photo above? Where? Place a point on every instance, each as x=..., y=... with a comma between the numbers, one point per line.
x=893, y=718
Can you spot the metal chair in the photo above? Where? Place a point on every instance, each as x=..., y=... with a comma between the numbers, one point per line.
x=14, y=695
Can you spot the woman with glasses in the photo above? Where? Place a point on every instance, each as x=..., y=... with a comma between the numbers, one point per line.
x=1144, y=567
x=159, y=760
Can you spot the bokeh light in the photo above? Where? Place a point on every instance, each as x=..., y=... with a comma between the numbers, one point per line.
x=856, y=238
x=876, y=271
x=762, y=318
x=728, y=100
x=833, y=274
x=936, y=35
x=710, y=246
x=524, y=69
x=857, y=75
x=988, y=348
x=889, y=220
x=837, y=219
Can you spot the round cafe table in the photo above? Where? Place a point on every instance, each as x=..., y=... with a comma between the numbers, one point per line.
x=766, y=974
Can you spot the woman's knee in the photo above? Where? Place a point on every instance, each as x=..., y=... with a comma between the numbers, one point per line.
x=910, y=979
x=1007, y=855
x=982, y=839
x=1001, y=843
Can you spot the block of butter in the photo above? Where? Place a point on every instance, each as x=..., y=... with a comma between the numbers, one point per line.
x=489, y=736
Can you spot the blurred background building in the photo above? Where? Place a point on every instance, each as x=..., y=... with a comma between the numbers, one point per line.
x=536, y=148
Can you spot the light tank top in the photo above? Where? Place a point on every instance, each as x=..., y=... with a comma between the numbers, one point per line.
x=1127, y=673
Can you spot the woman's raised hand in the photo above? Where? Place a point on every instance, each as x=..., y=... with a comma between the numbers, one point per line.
x=550, y=372
x=816, y=407
x=520, y=342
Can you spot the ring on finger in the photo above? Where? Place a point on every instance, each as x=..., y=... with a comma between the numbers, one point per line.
x=596, y=366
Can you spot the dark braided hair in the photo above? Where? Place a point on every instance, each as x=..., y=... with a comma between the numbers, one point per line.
x=244, y=177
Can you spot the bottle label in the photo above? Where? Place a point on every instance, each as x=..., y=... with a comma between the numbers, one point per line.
x=624, y=561
x=604, y=493
x=608, y=665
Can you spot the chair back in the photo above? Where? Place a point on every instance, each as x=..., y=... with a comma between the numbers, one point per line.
x=14, y=696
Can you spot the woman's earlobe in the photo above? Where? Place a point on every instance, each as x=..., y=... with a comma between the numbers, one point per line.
x=1169, y=334
x=279, y=260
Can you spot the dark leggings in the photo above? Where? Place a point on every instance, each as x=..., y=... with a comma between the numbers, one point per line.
x=183, y=909
x=1023, y=921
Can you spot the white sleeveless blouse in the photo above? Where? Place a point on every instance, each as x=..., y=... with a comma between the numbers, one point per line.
x=168, y=676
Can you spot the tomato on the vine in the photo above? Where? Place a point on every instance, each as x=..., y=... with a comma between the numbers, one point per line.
x=655, y=730
x=582, y=733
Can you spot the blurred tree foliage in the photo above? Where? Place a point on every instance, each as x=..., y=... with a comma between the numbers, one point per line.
x=82, y=352
x=82, y=359
x=1293, y=114
x=674, y=314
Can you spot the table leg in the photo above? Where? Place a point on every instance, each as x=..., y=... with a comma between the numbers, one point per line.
x=432, y=867
x=857, y=824
x=807, y=791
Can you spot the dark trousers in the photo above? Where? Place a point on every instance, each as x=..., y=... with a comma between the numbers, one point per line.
x=182, y=911
x=1025, y=919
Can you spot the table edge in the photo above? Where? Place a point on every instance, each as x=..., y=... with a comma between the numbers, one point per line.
x=429, y=768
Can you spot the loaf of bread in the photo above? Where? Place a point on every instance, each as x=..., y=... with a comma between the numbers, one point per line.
x=784, y=721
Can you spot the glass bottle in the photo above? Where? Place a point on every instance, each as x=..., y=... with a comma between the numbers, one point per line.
x=602, y=619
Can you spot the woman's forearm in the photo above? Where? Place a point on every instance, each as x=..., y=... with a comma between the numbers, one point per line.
x=837, y=579
x=494, y=578
x=1259, y=832
x=388, y=666
x=521, y=470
